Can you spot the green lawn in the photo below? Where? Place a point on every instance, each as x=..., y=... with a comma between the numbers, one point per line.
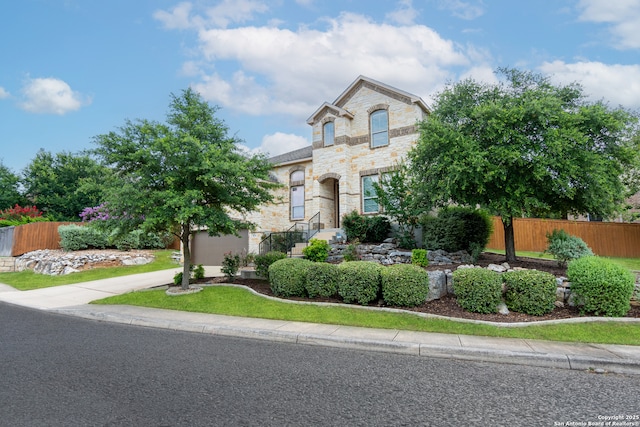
x=629, y=263
x=240, y=302
x=28, y=280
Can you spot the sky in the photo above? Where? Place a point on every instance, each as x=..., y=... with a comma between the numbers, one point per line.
x=74, y=69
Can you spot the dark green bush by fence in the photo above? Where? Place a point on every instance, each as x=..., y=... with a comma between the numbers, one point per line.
x=404, y=285
x=477, y=289
x=288, y=276
x=457, y=228
x=600, y=286
x=359, y=281
x=530, y=291
x=75, y=238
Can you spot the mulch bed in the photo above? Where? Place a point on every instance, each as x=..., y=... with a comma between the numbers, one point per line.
x=448, y=306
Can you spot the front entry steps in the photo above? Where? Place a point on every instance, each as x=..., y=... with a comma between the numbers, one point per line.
x=331, y=235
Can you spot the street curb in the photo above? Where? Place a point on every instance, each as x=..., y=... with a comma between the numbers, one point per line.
x=476, y=354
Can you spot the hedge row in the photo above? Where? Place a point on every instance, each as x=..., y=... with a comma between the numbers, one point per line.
x=76, y=237
x=361, y=282
x=600, y=286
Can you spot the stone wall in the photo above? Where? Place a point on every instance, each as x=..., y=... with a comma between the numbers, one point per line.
x=53, y=262
x=7, y=264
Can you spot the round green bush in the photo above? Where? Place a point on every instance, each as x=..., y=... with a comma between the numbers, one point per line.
x=530, y=291
x=287, y=277
x=565, y=247
x=477, y=289
x=359, y=281
x=600, y=286
x=404, y=285
x=322, y=279
x=317, y=251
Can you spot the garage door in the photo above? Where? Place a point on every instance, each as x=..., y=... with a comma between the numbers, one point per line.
x=210, y=250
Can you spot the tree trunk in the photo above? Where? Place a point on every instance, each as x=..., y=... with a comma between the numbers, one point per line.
x=509, y=241
x=186, y=254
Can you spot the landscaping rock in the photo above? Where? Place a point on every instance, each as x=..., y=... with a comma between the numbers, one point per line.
x=437, y=285
x=57, y=262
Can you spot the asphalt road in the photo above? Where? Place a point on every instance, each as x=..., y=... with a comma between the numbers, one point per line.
x=64, y=371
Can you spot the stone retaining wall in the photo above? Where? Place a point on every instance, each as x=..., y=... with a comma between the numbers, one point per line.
x=7, y=264
x=54, y=262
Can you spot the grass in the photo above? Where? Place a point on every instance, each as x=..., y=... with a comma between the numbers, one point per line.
x=234, y=301
x=28, y=280
x=629, y=263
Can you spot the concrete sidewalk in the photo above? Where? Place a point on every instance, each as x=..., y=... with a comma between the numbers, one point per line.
x=73, y=300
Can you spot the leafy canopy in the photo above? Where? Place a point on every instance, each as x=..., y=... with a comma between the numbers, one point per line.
x=525, y=145
x=63, y=184
x=184, y=173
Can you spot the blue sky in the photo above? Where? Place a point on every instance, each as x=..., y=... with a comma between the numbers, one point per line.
x=74, y=69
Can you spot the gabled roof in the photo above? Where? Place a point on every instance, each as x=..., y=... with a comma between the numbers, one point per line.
x=340, y=112
x=373, y=85
x=293, y=156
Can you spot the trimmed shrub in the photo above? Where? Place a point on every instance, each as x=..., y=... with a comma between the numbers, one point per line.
x=355, y=226
x=322, y=279
x=565, y=247
x=419, y=257
x=457, y=228
x=198, y=272
x=288, y=277
x=359, y=281
x=264, y=261
x=317, y=251
x=378, y=228
x=477, y=289
x=600, y=286
x=365, y=228
x=530, y=291
x=75, y=238
x=405, y=285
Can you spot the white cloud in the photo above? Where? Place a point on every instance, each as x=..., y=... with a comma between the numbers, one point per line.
x=280, y=143
x=220, y=15
x=293, y=71
x=177, y=18
x=617, y=84
x=3, y=93
x=623, y=15
x=405, y=14
x=52, y=96
x=463, y=9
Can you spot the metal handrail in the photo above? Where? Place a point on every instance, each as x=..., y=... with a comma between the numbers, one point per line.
x=284, y=241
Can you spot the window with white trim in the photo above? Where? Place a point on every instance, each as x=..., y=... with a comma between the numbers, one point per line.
x=369, y=196
x=328, y=132
x=296, y=195
x=379, y=128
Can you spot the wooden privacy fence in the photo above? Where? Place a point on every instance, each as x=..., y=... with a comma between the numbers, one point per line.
x=616, y=239
x=36, y=235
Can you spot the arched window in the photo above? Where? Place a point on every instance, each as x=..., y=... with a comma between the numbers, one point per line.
x=296, y=194
x=328, y=134
x=379, y=128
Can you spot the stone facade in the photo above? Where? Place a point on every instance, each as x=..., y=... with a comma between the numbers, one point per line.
x=333, y=168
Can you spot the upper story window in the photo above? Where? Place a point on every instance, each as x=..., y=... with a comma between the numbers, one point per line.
x=379, y=128
x=296, y=194
x=328, y=134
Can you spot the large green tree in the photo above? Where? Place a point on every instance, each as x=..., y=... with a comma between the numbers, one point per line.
x=9, y=188
x=183, y=174
x=62, y=185
x=525, y=145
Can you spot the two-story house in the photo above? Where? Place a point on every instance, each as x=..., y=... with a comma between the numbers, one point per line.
x=365, y=132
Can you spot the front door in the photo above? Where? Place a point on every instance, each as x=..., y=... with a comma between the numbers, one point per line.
x=336, y=203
